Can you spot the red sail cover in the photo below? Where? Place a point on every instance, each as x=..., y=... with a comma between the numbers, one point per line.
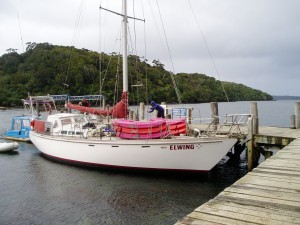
x=118, y=111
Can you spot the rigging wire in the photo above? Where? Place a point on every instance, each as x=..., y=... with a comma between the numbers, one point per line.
x=100, y=53
x=135, y=53
x=116, y=96
x=20, y=31
x=145, y=55
x=109, y=61
x=102, y=23
x=206, y=45
x=75, y=35
x=172, y=75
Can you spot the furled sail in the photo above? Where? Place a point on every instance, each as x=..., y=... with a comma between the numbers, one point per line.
x=118, y=111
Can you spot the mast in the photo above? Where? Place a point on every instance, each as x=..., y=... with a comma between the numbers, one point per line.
x=124, y=44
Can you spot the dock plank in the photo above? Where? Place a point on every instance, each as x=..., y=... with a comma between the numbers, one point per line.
x=283, y=215
x=244, y=215
x=279, y=170
x=287, y=184
x=269, y=188
x=258, y=192
x=217, y=219
x=276, y=177
x=294, y=204
x=271, y=172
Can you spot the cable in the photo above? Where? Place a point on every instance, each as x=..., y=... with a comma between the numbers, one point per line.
x=211, y=57
x=172, y=75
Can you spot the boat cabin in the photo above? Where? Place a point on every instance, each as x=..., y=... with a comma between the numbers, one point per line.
x=19, y=129
x=67, y=124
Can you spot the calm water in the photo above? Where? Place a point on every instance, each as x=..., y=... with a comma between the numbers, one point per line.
x=35, y=190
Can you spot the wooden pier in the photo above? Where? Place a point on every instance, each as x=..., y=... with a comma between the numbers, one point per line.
x=269, y=194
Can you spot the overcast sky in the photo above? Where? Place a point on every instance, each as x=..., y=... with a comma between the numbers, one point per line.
x=255, y=43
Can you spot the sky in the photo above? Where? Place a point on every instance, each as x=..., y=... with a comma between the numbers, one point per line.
x=255, y=43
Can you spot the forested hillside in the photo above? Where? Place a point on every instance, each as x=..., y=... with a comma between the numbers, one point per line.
x=49, y=69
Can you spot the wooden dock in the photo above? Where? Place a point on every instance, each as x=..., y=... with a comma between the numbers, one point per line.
x=269, y=194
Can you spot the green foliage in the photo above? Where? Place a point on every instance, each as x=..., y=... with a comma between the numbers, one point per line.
x=45, y=69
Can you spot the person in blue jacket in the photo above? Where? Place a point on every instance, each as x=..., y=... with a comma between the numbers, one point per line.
x=160, y=110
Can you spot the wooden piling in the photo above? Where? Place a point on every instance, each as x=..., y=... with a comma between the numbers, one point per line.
x=135, y=116
x=103, y=103
x=254, y=112
x=131, y=116
x=164, y=105
x=190, y=115
x=142, y=111
x=250, y=144
x=293, y=121
x=254, y=155
x=297, y=115
x=214, y=115
x=66, y=102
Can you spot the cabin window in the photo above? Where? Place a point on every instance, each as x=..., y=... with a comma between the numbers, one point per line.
x=26, y=123
x=79, y=119
x=78, y=133
x=66, y=121
x=63, y=132
x=71, y=132
x=17, y=125
x=55, y=124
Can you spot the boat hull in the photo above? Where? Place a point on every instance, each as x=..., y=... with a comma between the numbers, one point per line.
x=187, y=154
x=8, y=147
x=17, y=139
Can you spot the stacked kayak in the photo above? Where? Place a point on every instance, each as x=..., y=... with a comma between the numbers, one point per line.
x=153, y=129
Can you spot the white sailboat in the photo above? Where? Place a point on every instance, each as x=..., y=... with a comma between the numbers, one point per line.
x=168, y=152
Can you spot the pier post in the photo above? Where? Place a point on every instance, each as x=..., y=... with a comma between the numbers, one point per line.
x=253, y=151
x=214, y=115
x=142, y=111
x=66, y=102
x=254, y=112
x=250, y=144
x=131, y=116
x=164, y=105
x=135, y=115
x=108, y=116
x=297, y=115
x=103, y=103
x=190, y=115
x=293, y=121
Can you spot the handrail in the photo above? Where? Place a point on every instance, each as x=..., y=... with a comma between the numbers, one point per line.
x=231, y=124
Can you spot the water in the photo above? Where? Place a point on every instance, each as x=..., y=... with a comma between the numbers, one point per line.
x=35, y=190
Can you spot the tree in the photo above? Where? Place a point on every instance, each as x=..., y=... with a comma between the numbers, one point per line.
x=158, y=64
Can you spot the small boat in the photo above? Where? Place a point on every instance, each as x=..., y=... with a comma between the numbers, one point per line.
x=8, y=147
x=19, y=129
x=20, y=125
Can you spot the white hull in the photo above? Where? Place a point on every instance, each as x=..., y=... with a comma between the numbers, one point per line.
x=7, y=147
x=188, y=154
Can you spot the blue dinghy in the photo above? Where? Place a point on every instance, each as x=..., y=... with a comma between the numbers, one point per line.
x=19, y=129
